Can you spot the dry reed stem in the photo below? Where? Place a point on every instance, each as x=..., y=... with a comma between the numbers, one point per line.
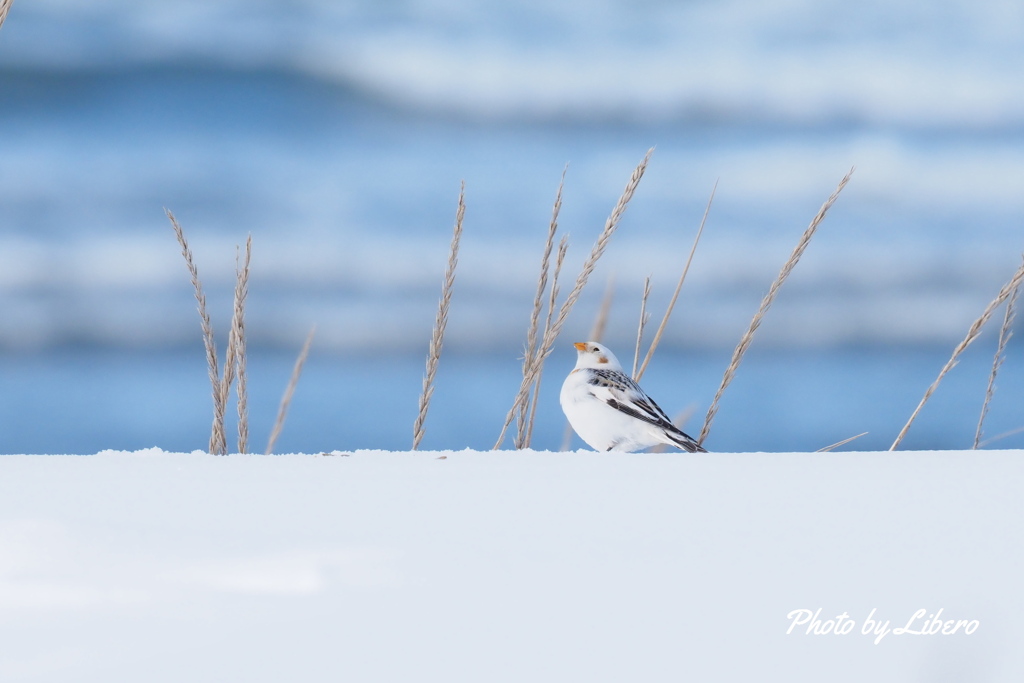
x=218, y=444
x=1005, y=332
x=566, y=438
x=602, y=243
x=5, y=6
x=289, y=392
x=644, y=317
x=972, y=334
x=236, y=344
x=679, y=286
x=538, y=300
x=437, y=338
x=563, y=247
x=837, y=444
x=238, y=334
x=601, y=321
x=766, y=303
x=581, y=280
x=224, y=389
x=998, y=437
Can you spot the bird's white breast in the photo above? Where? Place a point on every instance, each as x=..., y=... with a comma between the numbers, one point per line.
x=601, y=426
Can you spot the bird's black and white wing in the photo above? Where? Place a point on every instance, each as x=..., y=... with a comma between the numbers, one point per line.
x=619, y=391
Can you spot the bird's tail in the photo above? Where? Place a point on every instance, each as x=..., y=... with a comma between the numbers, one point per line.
x=683, y=440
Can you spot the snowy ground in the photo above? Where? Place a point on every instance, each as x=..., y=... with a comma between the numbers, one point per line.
x=378, y=566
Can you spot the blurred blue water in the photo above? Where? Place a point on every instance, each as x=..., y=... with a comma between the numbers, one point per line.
x=350, y=204
x=83, y=402
x=338, y=133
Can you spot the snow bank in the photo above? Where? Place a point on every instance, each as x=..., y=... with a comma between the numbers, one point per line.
x=509, y=566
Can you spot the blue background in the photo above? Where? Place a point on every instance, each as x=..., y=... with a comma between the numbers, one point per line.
x=337, y=134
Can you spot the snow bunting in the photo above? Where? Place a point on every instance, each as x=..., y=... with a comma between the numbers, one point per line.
x=610, y=411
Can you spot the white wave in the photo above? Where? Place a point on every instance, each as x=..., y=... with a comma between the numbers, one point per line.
x=382, y=294
x=799, y=61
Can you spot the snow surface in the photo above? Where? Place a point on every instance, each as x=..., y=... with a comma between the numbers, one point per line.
x=506, y=566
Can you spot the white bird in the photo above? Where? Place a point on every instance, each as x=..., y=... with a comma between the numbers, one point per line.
x=610, y=411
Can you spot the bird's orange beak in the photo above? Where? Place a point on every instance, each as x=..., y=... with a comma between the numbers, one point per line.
x=580, y=346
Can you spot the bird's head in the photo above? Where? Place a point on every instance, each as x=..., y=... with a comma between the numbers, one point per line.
x=593, y=355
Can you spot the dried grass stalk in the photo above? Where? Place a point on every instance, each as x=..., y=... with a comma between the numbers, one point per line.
x=437, y=338
x=602, y=243
x=566, y=438
x=581, y=280
x=837, y=444
x=218, y=443
x=773, y=291
x=224, y=385
x=5, y=6
x=538, y=300
x=236, y=343
x=239, y=344
x=972, y=334
x=563, y=247
x=289, y=392
x=1005, y=332
x=675, y=294
x=644, y=317
x=601, y=320
x=999, y=437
